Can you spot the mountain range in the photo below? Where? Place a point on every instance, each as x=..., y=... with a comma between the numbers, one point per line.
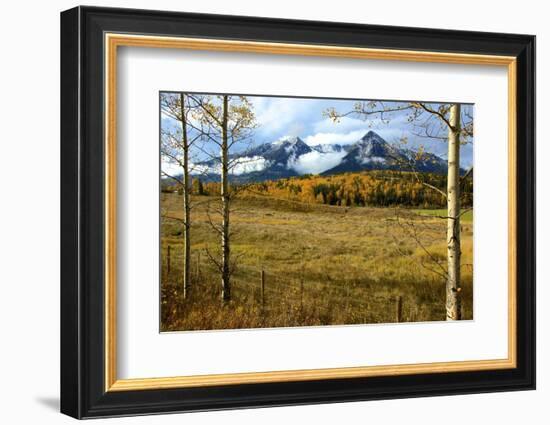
x=291, y=156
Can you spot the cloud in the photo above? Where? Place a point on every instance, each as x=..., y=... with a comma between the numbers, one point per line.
x=316, y=162
x=243, y=165
x=349, y=130
x=335, y=138
x=171, y=168
x=249, y=164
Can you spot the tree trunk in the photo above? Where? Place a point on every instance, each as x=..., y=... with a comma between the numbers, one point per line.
x=453, y=213
x=225, y=272
x=186, y=207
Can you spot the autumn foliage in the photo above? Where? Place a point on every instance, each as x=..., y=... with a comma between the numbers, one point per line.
x=369, y=188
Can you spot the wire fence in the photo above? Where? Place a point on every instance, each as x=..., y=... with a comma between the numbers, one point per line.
x=347, y=300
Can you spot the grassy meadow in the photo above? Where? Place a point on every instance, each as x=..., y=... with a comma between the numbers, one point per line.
x=322, y=264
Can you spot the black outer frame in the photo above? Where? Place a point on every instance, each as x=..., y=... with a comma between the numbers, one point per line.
x=82, y=212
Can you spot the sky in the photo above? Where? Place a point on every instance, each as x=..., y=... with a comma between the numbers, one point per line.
x=279, y=117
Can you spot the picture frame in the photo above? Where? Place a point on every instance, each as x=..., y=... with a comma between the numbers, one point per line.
x=90, y=39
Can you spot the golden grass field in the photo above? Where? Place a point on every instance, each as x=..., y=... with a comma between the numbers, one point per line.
x=323, y=265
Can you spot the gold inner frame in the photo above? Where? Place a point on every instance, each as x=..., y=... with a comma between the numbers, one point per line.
x=113, y=41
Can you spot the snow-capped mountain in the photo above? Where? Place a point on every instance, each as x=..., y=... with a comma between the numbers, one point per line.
x=281, y=151
x=372, y=152
x=291, y=156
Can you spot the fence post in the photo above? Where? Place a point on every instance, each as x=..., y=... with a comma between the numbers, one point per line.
x=198, y=265
x=168, y=260
x=399, y=309
x=262, y=287
x=301, y=293
x=302, y=266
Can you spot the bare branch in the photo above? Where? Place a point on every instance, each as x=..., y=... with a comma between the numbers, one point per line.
x=410, y=230
x=172, y=177
x=434, y=112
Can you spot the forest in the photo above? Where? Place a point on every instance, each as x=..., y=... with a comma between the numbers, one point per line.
x=368, y=188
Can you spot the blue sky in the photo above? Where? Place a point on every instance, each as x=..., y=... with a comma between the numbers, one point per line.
x=278, y=117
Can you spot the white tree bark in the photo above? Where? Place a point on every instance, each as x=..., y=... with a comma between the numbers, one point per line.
x=453, y=306
x=225, y=198
x=186, y=206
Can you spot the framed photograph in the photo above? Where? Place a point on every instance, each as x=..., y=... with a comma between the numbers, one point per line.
x=261, y=212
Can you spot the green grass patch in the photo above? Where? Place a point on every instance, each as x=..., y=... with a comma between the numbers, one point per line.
x=467, y=217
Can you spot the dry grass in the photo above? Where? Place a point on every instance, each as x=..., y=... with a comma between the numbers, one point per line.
x=324, y=265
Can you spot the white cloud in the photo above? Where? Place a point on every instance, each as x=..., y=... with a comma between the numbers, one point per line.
x=332, y=138
x=203, y=169
x=316, y=162
x=171, y=168
x=249, y=164
x=241, y=166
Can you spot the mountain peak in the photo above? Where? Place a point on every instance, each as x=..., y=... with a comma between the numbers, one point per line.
x=372, y=152
x=371, y=145
x=281, y=151
x=291, y=140
x=372, y=136
x=289, y=156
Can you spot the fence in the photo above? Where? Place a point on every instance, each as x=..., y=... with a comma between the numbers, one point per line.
x=171, y=255
x=274, y=291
